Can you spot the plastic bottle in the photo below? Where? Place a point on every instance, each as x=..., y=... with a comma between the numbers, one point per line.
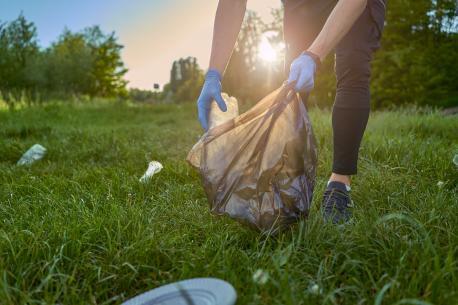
x=217, y=117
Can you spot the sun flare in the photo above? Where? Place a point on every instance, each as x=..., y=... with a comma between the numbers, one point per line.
x=268, y=51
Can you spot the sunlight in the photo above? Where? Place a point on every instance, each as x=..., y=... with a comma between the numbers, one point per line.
x=267, y=51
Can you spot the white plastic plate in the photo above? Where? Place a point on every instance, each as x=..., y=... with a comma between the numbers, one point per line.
x=199, y=291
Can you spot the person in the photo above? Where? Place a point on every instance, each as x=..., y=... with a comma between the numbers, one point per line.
x=312, y=29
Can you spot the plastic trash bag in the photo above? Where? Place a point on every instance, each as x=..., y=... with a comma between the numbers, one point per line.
x=259, y=168
x=217, y=117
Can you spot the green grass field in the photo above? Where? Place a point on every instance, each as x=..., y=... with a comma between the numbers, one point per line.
x=78, y=227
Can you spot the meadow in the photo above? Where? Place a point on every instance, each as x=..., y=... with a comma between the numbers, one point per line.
x=79, y=228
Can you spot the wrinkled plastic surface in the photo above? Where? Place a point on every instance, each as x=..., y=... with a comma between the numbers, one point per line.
x=259, y=168
x=218, y=117
x=154, y=167
x=35, y=153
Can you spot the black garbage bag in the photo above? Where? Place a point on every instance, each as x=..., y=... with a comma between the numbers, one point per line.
x=259, y=168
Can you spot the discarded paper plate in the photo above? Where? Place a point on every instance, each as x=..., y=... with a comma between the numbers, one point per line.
x=199, y=291
x=154, y=167
x=35, y=153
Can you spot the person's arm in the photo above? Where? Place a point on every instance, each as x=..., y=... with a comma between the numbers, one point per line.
x=228, y=21
x=339, y=22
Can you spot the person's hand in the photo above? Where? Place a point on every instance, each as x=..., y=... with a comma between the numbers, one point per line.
x=210, y=91
x=302, y=72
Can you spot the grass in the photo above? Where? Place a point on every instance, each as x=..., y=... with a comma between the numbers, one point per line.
x=78, y=227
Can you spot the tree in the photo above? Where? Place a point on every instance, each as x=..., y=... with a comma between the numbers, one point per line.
x=18, y=48
x=82, y=63
x=143, y=96
x=186, y=79
x=417, y=62
x=69, y=65
x=108, y=68
x=243, y=78
x=189, y=90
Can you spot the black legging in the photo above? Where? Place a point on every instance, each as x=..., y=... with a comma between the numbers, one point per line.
x=303, y=21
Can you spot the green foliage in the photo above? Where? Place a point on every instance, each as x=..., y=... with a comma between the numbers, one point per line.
x=186, y=79
x=78, y=227
x=18, y=50
x=418, y=60
x=417, y=63
x=248, y=77
x=189, y=90
x=83, y=63
x=68, y=64
x=143, y=96
x=108, y=69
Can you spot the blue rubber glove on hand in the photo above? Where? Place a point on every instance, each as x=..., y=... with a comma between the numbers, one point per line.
x=210, y=91
x=302, y=72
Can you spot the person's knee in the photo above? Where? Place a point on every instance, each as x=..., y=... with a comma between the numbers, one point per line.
x=353, y=79
x=352, y=70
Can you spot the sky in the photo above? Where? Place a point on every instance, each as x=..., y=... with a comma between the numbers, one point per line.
x=154, y=32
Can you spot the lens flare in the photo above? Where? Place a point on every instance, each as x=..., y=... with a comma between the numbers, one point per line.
x=270, y=51
x=266, y=51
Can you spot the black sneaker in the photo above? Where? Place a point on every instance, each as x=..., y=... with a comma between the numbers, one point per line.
x=337, y=204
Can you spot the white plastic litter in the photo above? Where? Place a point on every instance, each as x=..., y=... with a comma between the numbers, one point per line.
x=35, y=153
x=154, y=167
x=199, y=291
x=455, y=159
x=260, y=277
x=217, y=117
x=314, y=289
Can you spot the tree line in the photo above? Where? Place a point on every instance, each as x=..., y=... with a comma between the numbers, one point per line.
x=77, y=63
x=417, y=63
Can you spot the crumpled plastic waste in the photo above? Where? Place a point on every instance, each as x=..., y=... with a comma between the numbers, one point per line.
x=154, y=167
x=218, y=117
x=33, y=154
x=260, y=167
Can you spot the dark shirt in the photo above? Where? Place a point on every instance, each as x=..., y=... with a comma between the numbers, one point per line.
x=382, y=2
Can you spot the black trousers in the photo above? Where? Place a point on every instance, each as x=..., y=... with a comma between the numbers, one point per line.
x=303, y=21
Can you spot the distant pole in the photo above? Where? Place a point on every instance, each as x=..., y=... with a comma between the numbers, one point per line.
x=156, y=91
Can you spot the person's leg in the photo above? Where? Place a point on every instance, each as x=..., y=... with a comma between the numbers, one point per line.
x=351, y=107
x=302, y=23
x=352, y=102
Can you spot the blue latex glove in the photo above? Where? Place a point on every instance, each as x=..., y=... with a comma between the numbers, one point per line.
x=302, y=72
x=210, y=91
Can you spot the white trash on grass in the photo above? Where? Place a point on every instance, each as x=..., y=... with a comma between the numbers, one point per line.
x=260, y=277
x=154, y=167
x=314, y=289
x=198, y=291
x=455, y=159
x=217, y=117
x=35, y=153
